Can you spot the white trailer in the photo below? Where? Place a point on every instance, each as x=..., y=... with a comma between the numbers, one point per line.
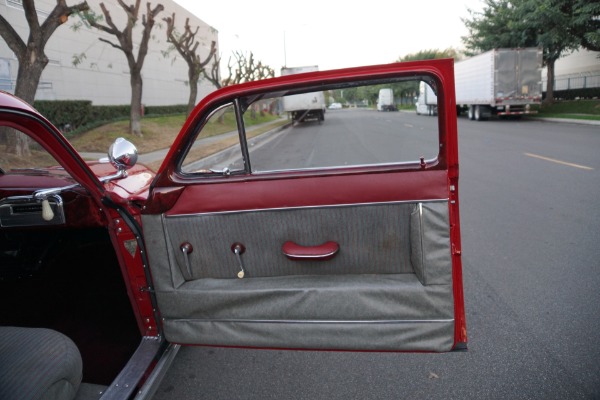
x=499, y=82
x=385, y=101
x=503, y=82
x=427, y=100
x=305, y=106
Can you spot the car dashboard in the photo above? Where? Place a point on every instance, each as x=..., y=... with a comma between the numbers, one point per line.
x=19, y=207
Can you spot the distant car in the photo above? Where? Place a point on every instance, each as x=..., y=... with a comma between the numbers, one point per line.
x=347, y=239
x=335, y=106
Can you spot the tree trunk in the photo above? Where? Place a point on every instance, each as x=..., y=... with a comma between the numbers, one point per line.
x=29, y=74
x=135, y=125
x=194, y=78
x=550, y=82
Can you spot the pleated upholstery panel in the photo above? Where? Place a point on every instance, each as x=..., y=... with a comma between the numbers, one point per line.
x=430, y=244
x=37, y=364
x=373, y=239
x=368, y=297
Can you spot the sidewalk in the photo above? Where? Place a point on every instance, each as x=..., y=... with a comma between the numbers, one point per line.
x=569, y=121
x=561, y=120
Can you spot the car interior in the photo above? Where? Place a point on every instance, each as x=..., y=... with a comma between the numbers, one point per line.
x=61, y=287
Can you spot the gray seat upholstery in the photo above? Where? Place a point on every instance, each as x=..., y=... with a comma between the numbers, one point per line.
x=38, y=363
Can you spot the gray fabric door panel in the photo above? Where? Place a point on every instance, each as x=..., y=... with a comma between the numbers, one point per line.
x=372, y=239
x=326, y=298
x=430, y=244
x=395, y=312
x=367, y=297
x=388, y=336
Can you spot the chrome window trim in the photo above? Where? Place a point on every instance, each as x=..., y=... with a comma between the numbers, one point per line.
x=326, y=322
x=445, y=200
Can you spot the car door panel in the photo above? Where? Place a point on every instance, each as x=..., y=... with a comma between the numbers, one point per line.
x=384, y=280
x=374, y=261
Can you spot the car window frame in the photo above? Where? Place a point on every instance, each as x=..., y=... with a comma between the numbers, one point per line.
x=241, y=104
x=438, y=73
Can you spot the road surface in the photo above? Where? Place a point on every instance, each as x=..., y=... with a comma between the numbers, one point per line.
x=530, y=215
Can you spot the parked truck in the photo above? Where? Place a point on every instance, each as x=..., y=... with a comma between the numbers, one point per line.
x=427, y=100
x=386, y=102
x=304, y=106
x=504, y=82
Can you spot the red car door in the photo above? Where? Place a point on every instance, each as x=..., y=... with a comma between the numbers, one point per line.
x=339, y=231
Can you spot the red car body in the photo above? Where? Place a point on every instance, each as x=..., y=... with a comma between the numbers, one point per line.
x=161, y=224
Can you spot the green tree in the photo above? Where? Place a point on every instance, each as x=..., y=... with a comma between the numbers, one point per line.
x=586, y=23
x=411, y=88
x=430, y=54
x=555, y=25
x=497, y=25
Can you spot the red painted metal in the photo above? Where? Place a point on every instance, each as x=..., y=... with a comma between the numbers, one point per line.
x=439, y=70
x=286, y=192
x=138, y=288
x=175, y=194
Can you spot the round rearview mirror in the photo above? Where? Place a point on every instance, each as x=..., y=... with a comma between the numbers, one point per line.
x=122, y=154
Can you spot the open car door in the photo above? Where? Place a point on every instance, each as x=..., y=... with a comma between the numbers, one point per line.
x=338, y=232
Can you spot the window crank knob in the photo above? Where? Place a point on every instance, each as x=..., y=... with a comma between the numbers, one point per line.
x=186, y=248
x=47, y=213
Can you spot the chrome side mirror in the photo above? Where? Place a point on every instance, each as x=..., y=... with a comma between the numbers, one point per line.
x=122, y=154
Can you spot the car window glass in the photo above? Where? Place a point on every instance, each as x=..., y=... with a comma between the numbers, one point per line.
x=364, y=125
x=21, y=154
x=216, y=145
x=347, y=126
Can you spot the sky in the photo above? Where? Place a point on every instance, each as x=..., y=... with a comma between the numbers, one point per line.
x=332, y=33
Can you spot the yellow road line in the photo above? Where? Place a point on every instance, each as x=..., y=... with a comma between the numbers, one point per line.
x=559, y=161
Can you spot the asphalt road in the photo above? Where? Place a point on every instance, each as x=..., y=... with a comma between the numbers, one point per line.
x=530, y=218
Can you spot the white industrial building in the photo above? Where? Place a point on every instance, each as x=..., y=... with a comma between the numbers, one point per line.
x=579, y=69
x=102, y=73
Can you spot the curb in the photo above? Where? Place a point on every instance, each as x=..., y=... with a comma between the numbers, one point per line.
x=568, y=121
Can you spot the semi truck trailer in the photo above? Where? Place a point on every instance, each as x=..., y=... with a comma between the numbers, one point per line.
x=304, y=106
x=427, y=100
x=385, y=100
x=503, y=82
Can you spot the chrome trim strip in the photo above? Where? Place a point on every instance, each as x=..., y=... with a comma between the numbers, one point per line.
x=392, y=164
x=421, y=241
x=127, y=381
x=307, y=207
x=313, y=322
x=153, y=382
x=10, y=218
x=310, y=257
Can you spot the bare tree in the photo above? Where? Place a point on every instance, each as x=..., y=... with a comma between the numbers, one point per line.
x=31, y=56
x=214, y=76
x=125, y=44
x=187, y=45
x=246, y=70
